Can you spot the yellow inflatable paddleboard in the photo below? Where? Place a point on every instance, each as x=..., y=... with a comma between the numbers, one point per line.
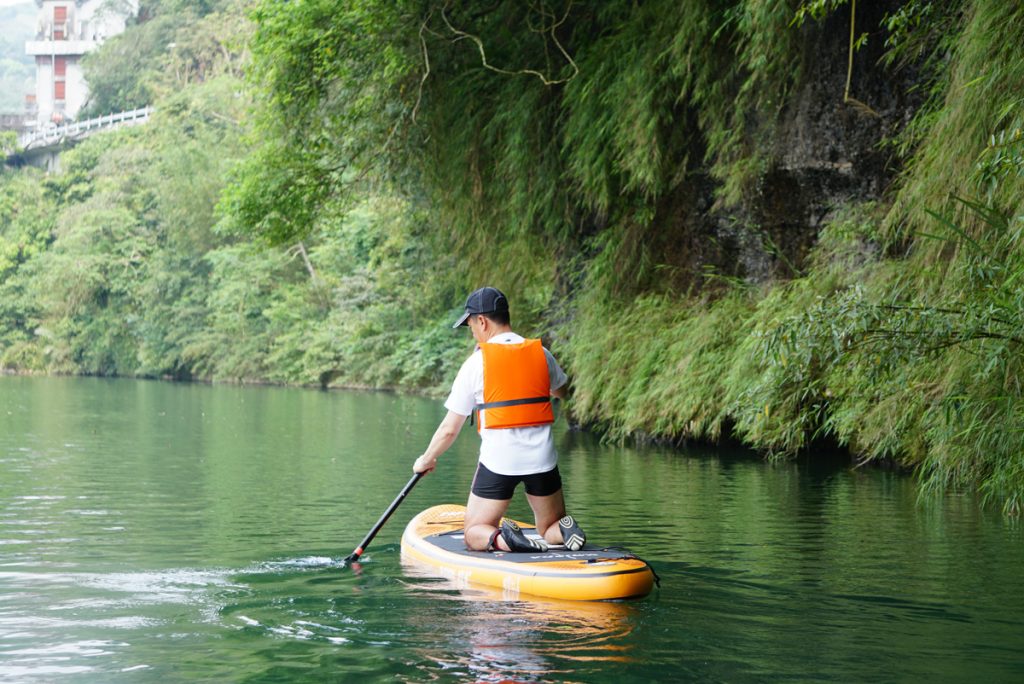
x=434, y=540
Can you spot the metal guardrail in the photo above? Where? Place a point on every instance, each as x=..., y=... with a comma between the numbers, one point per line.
x=52, y=135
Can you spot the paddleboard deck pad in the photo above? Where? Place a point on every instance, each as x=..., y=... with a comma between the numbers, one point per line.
x=434, y=539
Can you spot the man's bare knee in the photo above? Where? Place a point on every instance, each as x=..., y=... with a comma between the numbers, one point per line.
x=482, y=518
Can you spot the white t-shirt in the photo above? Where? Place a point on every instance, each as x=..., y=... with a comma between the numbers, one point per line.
x=506, y=451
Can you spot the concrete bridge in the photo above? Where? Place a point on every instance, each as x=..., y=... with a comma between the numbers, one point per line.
x=42, y=147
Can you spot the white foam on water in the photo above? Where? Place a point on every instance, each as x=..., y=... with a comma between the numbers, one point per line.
x=310, y=561
x=304, y=563
x=37, y=622
x=316, y=625
x=185, y=586
x=293, y=632
x=19, y=672
x=73, y=648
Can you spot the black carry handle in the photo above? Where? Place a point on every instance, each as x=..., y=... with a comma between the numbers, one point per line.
x=354, y=556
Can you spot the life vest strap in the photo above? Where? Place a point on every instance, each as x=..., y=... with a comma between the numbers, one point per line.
x=501, y=404
x=512, y=402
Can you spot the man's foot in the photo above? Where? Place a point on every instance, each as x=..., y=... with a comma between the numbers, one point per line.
x=572, y=536
x=519, y=542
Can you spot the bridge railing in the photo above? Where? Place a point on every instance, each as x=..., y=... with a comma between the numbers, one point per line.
x=54, y=134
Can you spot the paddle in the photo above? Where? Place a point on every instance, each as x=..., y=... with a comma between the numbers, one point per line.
x=354, y=556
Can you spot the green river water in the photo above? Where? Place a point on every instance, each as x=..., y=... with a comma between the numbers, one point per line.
x=157, y=532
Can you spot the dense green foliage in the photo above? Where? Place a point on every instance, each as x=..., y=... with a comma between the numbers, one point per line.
x=913, y=357
x=156, y=56
x=120, y=264
x=320, y=221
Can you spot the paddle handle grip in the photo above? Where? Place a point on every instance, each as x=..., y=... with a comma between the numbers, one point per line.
x=354, y=556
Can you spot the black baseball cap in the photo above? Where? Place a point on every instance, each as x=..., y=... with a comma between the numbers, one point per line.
x=483, y=301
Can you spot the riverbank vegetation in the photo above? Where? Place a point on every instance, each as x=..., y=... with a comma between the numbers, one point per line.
x=783, y=222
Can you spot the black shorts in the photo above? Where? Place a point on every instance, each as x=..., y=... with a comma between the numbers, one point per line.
x=489, y=485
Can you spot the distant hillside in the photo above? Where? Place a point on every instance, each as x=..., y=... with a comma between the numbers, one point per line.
x=17, y=24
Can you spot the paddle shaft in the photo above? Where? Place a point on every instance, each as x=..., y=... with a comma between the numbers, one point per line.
x=354, y=556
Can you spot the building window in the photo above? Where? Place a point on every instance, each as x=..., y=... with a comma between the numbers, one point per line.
x=60, y=66
x=60, y=18
x=58, y=90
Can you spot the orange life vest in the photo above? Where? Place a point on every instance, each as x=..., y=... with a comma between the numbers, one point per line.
x=517, y=387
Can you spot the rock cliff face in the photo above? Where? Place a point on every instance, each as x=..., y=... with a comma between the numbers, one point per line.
x=824, y=153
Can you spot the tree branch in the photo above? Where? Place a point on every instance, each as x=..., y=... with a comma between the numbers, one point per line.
x=426, y=62
x=483, y=54
x=847, y=99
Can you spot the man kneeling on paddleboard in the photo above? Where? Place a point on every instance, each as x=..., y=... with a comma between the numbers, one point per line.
x=509, y=381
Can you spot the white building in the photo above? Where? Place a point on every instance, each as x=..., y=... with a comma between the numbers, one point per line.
x=66, y=30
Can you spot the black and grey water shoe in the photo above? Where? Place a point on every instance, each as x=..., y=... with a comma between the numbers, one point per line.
x=518, y=541
x=572, y=536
